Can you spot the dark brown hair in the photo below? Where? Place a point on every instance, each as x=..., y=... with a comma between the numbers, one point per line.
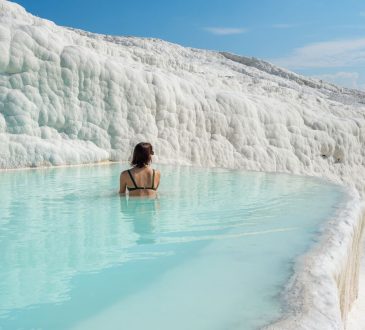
x=142, y=154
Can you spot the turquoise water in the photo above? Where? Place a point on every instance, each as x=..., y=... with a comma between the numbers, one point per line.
x=212, y=252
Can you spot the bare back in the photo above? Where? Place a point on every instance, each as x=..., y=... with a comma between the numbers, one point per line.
x=140, y=181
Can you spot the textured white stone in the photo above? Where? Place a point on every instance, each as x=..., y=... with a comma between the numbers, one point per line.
x=325, y=281
x=72, y=97
x=69, y=96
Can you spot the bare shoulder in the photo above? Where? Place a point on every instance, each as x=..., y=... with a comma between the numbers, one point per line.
x=158, y=173
x=124, y=174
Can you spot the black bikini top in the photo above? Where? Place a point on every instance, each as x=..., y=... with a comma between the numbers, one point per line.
x=135, y=185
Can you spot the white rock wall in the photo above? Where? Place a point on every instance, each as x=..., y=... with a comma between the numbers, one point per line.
x=69, y=97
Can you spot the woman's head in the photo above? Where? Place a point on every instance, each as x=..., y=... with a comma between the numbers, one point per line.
x=142, y=154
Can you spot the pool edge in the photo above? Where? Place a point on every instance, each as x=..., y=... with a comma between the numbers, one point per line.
x=325, y=282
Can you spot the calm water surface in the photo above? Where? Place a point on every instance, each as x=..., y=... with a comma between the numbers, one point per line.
x=213, y=252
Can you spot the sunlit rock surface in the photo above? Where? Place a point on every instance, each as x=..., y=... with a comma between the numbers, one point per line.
x=72, y=97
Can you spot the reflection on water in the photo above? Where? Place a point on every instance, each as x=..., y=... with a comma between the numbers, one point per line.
x=59, y=225
x=142, y=213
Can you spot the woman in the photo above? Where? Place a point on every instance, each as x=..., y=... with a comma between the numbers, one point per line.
x=141, y=179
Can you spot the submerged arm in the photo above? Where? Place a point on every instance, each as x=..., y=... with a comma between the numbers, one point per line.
x=158, y=174
x=122, y=184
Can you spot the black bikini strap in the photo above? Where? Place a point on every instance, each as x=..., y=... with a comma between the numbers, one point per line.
x=132, y=178
x=153, y=180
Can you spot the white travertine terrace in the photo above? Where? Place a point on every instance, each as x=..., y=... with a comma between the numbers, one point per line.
x=73, y=97
x=325, y=282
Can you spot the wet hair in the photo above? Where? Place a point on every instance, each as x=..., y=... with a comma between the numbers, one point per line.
x=142, y=154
